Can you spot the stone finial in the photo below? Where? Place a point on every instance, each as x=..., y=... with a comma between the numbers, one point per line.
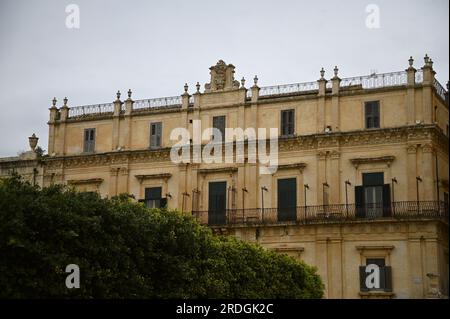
x=65, y=101
x=54, y=102
x=322, y=73
x=411, y=61
x=198, y=87
x=186, y=87
x=336, y=71
x=430, y=63
x=426, y=59
x=255, y=80
x=129, y=93
x=448, y=86
x=118, y=95
x=33, y=140
x=242, y=82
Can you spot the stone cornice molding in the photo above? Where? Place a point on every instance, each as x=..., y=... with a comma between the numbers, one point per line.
x=412, y=135
x=369, y=160
x=205, y=171
x=375, y=247
x=299, y=166
x=96, y=181
x=164, y=176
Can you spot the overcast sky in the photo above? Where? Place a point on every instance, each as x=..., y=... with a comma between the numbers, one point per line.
x=154, y=47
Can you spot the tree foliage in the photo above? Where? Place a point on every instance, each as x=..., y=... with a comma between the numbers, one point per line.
x=125, y=250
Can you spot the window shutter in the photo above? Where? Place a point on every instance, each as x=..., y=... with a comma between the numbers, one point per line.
x=376, y=114
x=386, y=200
x=362, y=278
x=155, y=134
x=359, y=201
x=388, y=278
x=291, y=122
x=163, y=203
x=153, y=193
x=86, y=140
x=158, y=134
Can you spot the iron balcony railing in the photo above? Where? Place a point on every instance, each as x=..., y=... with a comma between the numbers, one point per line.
x=340, y=213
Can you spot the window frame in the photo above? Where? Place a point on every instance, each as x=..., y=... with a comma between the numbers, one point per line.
x=224, y=117
x=89, y=144
x=290, y=123
x=372, y=116
x=158, y=141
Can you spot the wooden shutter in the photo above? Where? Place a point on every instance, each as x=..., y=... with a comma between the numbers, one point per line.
x=360, y=202
x=387, y=278
x=287, y=122
x=291, y=122
x=155, y=134
x=362, y=278
x=376, y=113
x=86, y=140
x=89, y=140
x=163, y=203
x=386, y=200
x=158, y=134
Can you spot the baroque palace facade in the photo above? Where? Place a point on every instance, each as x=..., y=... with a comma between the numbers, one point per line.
x=362, y=174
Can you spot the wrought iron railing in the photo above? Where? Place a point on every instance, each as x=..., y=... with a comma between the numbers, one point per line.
x=157, y=103
x=91, y=109
x=324, y=214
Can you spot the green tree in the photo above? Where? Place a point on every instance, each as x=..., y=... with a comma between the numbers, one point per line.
x=125, y=250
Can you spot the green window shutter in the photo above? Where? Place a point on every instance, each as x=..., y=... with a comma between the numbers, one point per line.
x=360, y=202
x=386, y=200
x=388, y=278
x=362, y=278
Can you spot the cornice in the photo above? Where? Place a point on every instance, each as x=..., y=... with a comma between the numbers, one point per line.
x=409, y=135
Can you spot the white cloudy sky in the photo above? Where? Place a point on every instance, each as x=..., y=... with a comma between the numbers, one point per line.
x=154, y=47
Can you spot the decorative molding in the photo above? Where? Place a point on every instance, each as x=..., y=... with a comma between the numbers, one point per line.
x=427, y=148
x=164, y=176
x=300, y=166
x=229, y=169
x=369, y=160
x=411, y=149
x=96, y=181
x=381, y=247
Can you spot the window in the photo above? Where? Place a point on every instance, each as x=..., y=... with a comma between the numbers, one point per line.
x=373, y=198
x=153, y=198
x=372, y=114
x=375, y=275
x=287, y=122
x=287, y=199
x=219, y=123
x=155, y=135
x=89, y=140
